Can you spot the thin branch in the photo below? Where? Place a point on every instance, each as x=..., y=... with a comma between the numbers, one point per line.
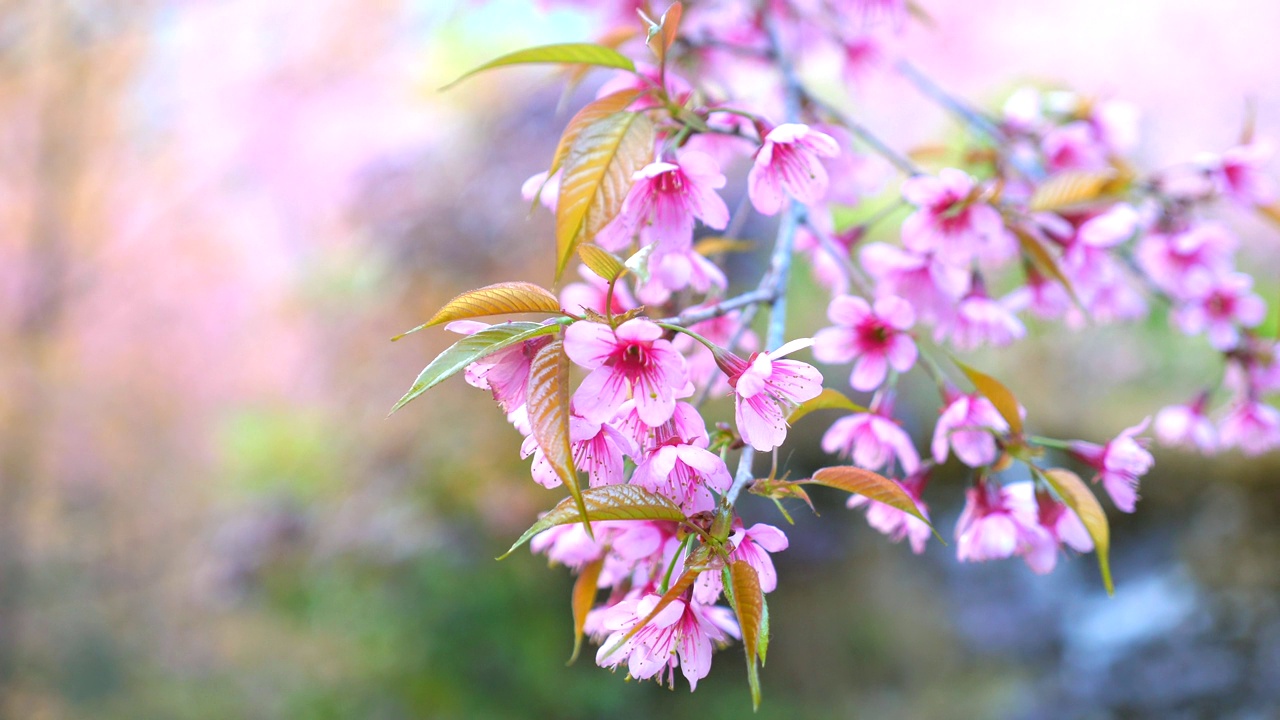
x=930, y=89
x=695, y=315
x=861, y=132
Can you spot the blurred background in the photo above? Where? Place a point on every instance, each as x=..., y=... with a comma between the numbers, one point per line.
x=214, y=214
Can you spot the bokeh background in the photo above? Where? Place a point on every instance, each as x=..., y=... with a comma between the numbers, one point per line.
x=214, y=214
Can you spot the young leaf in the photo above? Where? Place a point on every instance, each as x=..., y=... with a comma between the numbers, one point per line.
x=596, y=177
x=764, y=629
x=548, y=403
x=870, y=485
x=601, y=262
x=748, y=605
x=999, y=395
x=470, y=349
x=684, y=583
x=638, y=264
x=1077, y=496
x=828, y=399
x=593, y=111
x=611, y=502
x=584, y=596
x=1070, y=188
x=562, y=54
x=720, y=245
x=1045, y=262
x=500, y=299
x=1271, y=212
x=666, y=31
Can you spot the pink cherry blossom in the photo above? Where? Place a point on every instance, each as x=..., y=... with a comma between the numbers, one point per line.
x=877, y=338
x=980, y=321
x=949, y=220
x=1219, y=308
x=1239, y=173
x=766, y=388
x=664, y=200
x=894, y=522
x=1119, y=464
x=998, y=522
x=929, y=285
x=504, y=373
x=1074, y=146
x=634, y=358
x=1188, y=426
x=1059, y=525
x=598, y=450
x=685, y=426
x=788, y=160
x=682, y=634
x=1116, y=225
x=968, y=425
x=873, y=440
x=674, y=269
x=545, y=189
x=1175, y=262
x=629, y=540
x=1045, y=298
x=1252, y=427
x=685, y=475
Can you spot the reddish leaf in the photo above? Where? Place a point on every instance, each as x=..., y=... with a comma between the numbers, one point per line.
x=584, y=596
x=500, y=299
x=611, y=502
x=995, y=391
x=683, y=584
x=548, y=403
x=748, y=605
x=1079, y=498
x=870, y=485
x=593, y=111
x=596, y=177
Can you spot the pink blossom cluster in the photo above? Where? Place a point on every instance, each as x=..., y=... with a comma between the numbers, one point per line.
x=1044, y=218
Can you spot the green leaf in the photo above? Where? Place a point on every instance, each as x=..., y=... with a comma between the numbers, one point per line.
x=870, y=485
x=601, y=262
x=561, y=54
x=748, y=605
x=611, y=502
x=597, y=176
x=828, y=399
x=995, y=391
x=470, y=349
x=1079, y=498
x=500, y=299
x=584, y=596
x=548, y=405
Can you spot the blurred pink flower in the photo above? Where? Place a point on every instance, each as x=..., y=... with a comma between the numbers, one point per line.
x=1188, y=426
x=968, y=425
x=1239, y=172
x=1119, y=464
x=877, y=338
x=950, y=220
x=873, y=440
x=1219, y=307
x=997, y=522
x=894, y=522
x=1251, y=426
